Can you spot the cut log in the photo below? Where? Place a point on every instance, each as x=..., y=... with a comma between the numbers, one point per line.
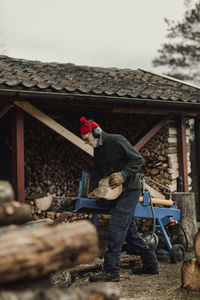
x=104, y=190
x=186, y=203
x=44, y=203
x=56, y=204
x=6, y=191
x=190, y=274
x=31, y=252
x=14, y=213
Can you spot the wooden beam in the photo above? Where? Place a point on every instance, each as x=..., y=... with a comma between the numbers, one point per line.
x=145, y=109
x=18, y=154
x=182, y=151
x=5, y=110
x=151, y=133
x=36, y=113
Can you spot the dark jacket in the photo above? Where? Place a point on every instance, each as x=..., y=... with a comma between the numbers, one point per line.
x=114, y=155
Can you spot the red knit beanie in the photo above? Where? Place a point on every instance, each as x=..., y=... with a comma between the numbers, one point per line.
x=87, y=126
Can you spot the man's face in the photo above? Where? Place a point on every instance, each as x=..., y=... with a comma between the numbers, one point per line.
x=90, y=140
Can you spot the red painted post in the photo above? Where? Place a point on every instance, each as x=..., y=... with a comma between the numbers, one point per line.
x=182, y=152
x=18, y=154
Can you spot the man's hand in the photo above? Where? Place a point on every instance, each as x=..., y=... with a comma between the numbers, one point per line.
x=115, y=180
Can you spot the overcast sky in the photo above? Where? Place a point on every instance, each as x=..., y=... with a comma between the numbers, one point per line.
x=109, y=33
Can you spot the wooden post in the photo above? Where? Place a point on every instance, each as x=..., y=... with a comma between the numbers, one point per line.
x=18, y=154
x=197, y=163
x=182, y=152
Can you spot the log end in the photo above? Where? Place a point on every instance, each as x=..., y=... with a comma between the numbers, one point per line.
x=190, y=275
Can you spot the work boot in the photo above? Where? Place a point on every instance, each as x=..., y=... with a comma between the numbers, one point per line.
x=146, y=270
x=104, y=277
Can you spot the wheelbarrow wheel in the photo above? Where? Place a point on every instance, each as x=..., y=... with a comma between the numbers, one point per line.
x=177, y=253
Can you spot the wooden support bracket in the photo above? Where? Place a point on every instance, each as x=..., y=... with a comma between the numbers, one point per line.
x=151, y=133
x=40, y=116
x=5, y=110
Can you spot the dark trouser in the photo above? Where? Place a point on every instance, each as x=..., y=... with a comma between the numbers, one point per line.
x=121, y=227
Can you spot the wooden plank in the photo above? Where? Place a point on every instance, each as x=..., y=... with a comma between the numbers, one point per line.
x=36, y=113
x=90, y=267
x=182, y=152
x=18, y=154
x=5, y=110
x=151, y=133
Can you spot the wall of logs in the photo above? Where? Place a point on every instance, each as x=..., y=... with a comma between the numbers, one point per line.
x=54, y=165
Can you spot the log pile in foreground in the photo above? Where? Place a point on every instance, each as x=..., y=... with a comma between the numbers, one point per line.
x=12, y=212
x=190, y=273
x=31, y=252
x=98, y=291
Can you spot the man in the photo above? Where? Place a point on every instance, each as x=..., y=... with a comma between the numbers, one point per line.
x=114, y=156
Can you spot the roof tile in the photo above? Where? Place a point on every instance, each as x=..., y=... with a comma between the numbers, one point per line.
x=69, y=78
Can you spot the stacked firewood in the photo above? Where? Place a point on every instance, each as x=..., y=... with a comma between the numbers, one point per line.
x=55, y=166
x=161, y=159
x=155, y=153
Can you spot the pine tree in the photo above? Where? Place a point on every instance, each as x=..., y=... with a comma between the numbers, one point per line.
x=182, y=53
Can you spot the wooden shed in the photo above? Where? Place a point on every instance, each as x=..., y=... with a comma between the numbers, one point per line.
x=42, y=102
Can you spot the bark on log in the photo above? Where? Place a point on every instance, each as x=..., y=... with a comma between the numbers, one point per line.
x=190, y=274
x=32, y=252
x=197, y=246
x=54, y=203
x=14, y=213
x=186, y=203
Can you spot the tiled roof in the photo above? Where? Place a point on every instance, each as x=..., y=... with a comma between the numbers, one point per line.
x=68, y=78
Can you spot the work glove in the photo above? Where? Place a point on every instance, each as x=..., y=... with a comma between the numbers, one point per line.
x=115, y=180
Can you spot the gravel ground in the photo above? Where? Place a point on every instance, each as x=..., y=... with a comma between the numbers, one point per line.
x=165, y=285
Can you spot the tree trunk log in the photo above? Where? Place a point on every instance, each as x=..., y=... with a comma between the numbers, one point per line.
x=190, y=274
x=14, y=213
x=186, y=203
x=32, y=252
